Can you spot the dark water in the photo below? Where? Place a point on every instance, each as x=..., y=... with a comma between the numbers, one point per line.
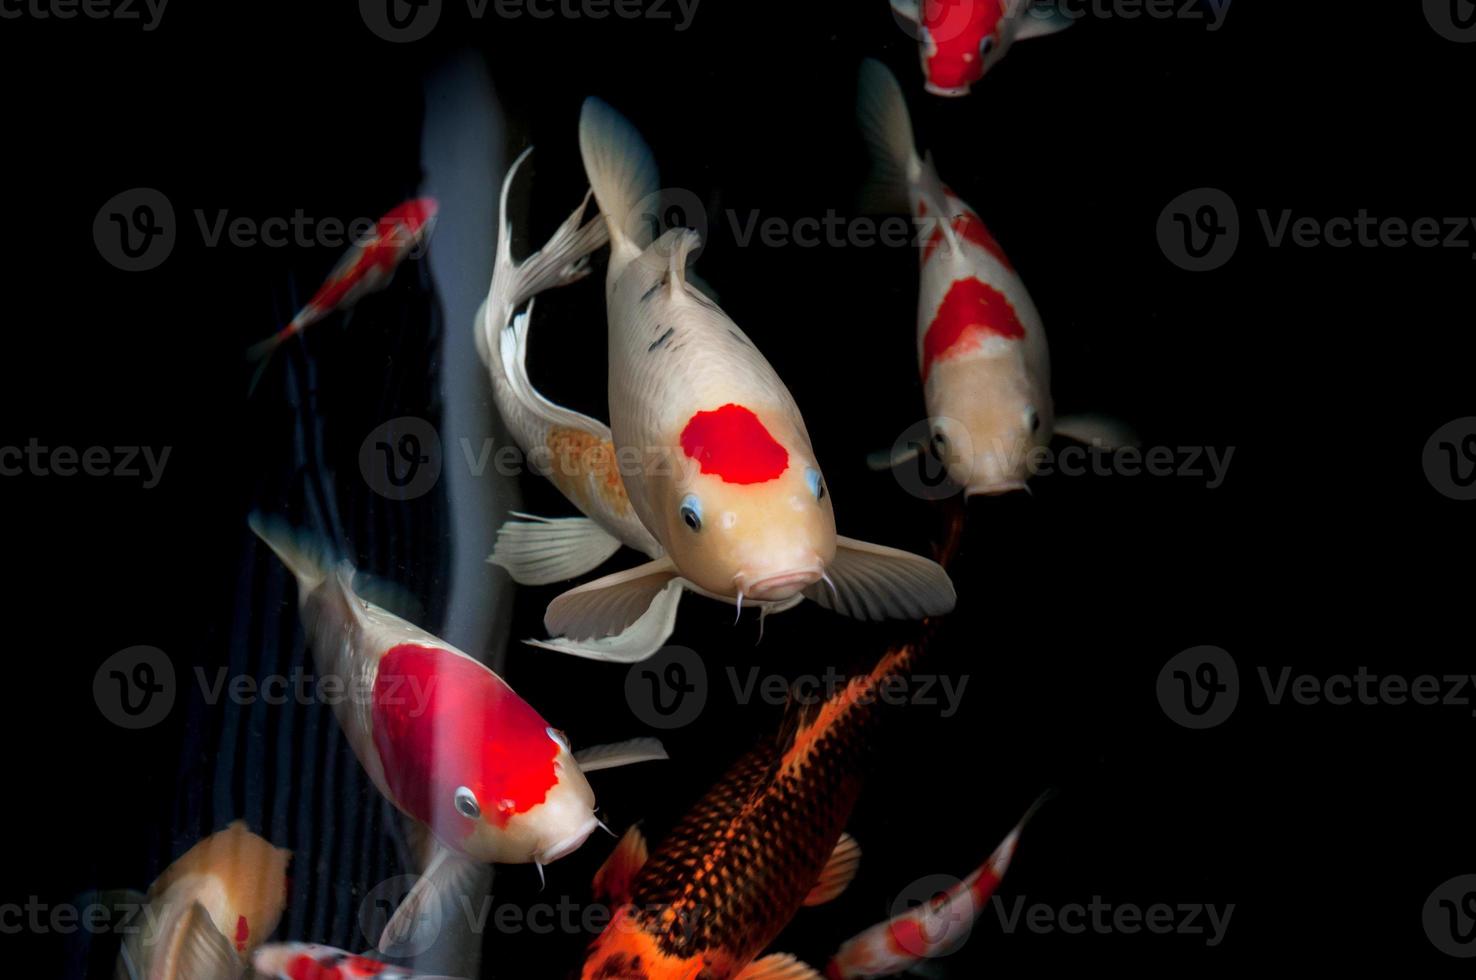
x=1325, y=549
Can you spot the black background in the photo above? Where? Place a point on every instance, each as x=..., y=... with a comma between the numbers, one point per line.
x=1326, y=548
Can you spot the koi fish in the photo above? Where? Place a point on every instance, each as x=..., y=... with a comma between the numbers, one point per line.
x=960, y=40
x=365, y=268
x=934, y=928
x=765, y=841
x=445, y=739
x=981, y=346
x=309, y=961
x=209, y=910
x=728, y=485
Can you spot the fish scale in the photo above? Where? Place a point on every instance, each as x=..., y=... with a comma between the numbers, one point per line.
x=733, y=872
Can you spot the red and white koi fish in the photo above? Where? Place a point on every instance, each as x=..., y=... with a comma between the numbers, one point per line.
x=728, y=485
x=960, y=40
x=934, y=928
x=981, y=346
x=209, y=910
x=309, y=961
x=365, y=268
x=444, y=738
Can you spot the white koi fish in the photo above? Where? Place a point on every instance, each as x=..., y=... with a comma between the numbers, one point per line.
x=727, y=483
x=981, y=346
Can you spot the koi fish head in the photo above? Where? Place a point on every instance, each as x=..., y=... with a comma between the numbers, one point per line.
x=960, y=41
x=988, y=417
x=405, y=225
x=748, y=514
x=474, y=762
x=251, y=876
x=310, y=961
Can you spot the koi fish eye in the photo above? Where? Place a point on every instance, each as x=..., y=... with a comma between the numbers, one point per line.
x=466, y=803
x=985, y=46
x=692, y=512
x=560, y=739
x=1032, y=419
x=940, y=444
x=816, y=485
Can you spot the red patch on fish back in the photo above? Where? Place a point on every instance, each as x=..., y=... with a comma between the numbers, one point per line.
x=971, y=310
x=906, y=936
x=243, y=933
x=304, y=967
x=969, y=228
x=732, y=444
x=442, y=721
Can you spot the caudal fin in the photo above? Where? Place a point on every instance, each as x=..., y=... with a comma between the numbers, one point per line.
x=261, y=353
x=882, y=114
x=305, y=555
x=623, y=174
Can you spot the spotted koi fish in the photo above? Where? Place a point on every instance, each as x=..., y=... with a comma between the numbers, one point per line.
x=765, y=841
x=724, y=477
x=960, y=40
x=309, y=961
x=934, y=928
x=209, y=910
x=445, y=739
x=365, y=268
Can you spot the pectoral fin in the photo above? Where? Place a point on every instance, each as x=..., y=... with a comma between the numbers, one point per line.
x=617, y=754
x=907, y=9
x=201, y=950
x=885, y=459
x=777, y=966
x=1096, y=430
x=875, y=582
x=1041, y=22
x=612, y=883
x=541, y=550
x=606, y=606
x=838, y=871
x=432, y=902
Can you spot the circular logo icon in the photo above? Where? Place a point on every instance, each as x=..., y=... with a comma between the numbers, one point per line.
x=134, y=231
x=1199, y=687
x=1450, y=459
x=401, y=459
x=669, y=689
x=400, y=21
x=134, y=688
x=662, y=211
x=1454, y=20
x=1199, y=230
x=927, y=452
x=1449, y=916
x=410, y=937
x=943, y=911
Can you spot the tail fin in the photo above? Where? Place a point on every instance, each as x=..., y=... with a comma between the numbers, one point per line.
x=305, y=556
x=623, y=173
x=261, y=353
x=881, y=112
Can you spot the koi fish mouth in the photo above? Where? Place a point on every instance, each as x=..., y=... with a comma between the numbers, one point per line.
x=783, y=585
x=951, y=91
x=569, y=844
x=996, y=489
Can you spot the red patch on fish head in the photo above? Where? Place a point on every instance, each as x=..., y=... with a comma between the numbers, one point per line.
x=957, y=28
x=732, y=444
x=442, y=721
x=243, y=933
x=970, y=311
